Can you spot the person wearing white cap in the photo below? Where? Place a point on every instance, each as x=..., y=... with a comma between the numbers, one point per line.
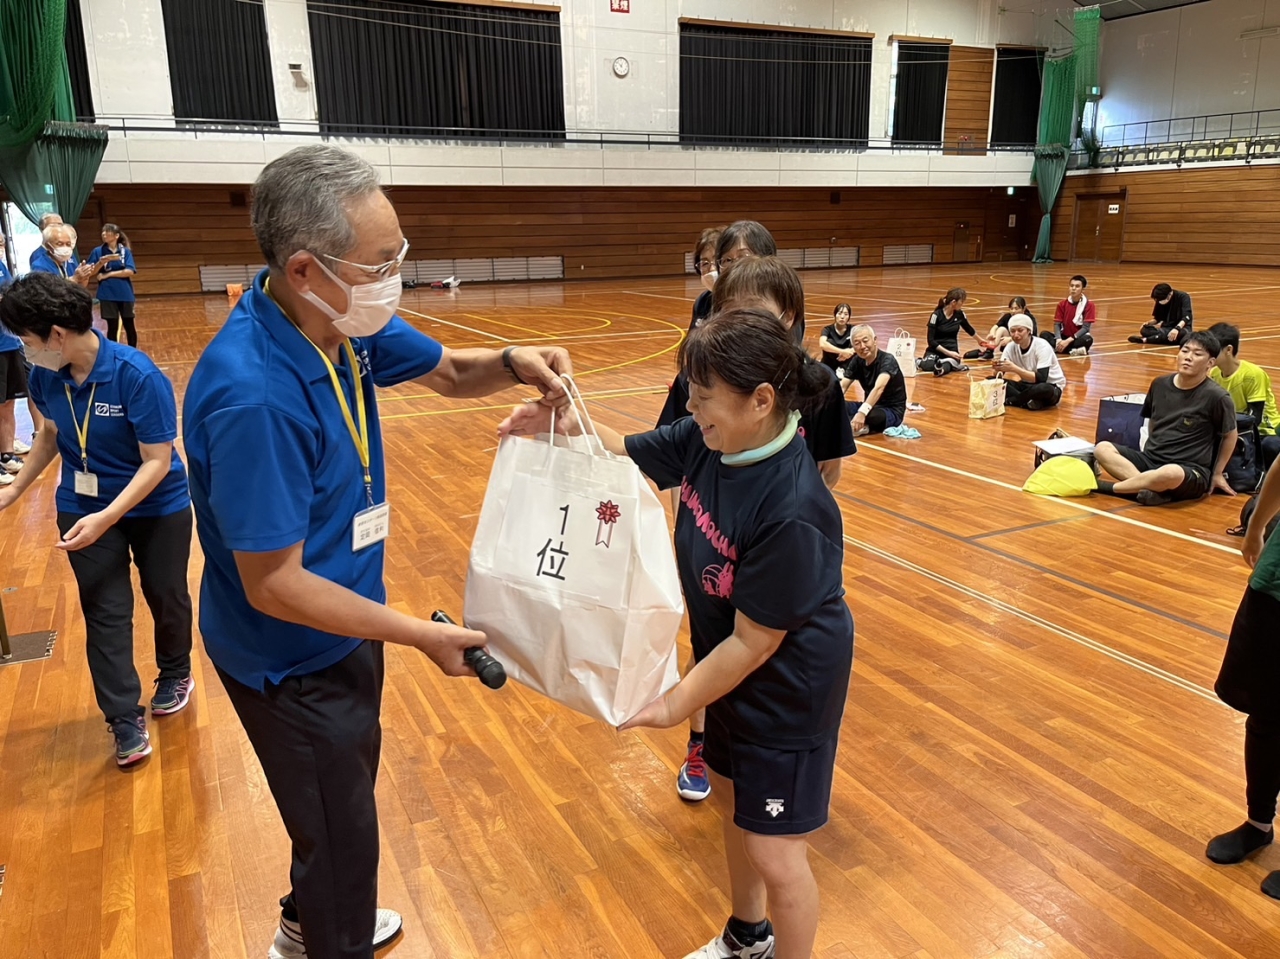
x=1030, y=368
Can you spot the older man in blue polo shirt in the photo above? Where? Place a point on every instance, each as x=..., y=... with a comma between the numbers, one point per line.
x=57, y=254
x=293, y=608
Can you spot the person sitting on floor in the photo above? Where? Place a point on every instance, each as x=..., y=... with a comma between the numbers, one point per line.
x=999, y=336
x=942, y=356
x=884, y=389
x=1249, y=387
x=1032, y=374
x=1171, y=317
x=835, y=342
x=1191, y=435
x=1072, y=321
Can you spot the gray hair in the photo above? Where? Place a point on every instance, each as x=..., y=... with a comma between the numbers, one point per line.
x=47, y=233
x=49, y=219
x=300, y=202
x=859, y=328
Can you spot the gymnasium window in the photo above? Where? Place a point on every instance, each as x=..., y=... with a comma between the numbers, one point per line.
x=219, y=62
x=773, y=88
x=919, y=92
x=415, y=68
x=78, y=63
x=1015, y=113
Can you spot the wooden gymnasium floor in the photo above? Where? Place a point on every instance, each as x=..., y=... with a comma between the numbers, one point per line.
x=1032, y=757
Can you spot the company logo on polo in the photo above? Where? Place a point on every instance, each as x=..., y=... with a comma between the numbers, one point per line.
x=107, y=409
x=774, y=806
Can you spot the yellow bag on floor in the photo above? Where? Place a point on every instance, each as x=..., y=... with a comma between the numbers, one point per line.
x=1062, y=476
x=986, y=398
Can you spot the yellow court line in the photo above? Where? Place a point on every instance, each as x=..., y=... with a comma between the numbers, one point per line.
x=1063, y=500
x=1120, y=657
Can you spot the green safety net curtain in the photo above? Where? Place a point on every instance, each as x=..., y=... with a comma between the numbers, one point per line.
x=1067, y=81
x=47, y=161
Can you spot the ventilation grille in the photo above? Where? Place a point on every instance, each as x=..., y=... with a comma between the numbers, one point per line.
x=904, y=254
x=818, y=258
x=214, y=279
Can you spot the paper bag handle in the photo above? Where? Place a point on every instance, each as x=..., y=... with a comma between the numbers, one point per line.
x=579, y=404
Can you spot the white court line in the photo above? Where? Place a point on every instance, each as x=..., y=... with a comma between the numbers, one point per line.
x=1117, y=655
x=469, y=329
x=1063, y=500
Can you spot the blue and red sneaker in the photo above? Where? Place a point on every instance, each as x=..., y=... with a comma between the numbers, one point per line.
x=692, y=783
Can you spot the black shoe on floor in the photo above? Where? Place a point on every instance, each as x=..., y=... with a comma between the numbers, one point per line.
x=1149, y=497
x=1271, y=885
x=1237, y=845
x=1136, y=339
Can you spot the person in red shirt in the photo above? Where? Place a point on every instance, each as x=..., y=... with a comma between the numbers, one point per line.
x=1072, y=321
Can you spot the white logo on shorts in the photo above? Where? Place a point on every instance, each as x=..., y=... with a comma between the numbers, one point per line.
x=774, y=806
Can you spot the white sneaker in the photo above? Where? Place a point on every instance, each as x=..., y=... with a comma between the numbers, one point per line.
x=1079, y=351
x=20, y=448
x=289, y=945
x=5, y=479
x=724, y=946
x=10, y=463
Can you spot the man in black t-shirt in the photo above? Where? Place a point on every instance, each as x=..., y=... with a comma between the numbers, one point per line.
x=1191, y=435
x=1171, y=317
x=884, y=389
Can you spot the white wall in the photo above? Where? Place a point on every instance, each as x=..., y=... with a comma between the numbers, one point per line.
x=129, y=69
x=1189, y=62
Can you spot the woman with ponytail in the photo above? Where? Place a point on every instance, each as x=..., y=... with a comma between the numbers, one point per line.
x=114, y=269
x=943, y=353
x=771, y=632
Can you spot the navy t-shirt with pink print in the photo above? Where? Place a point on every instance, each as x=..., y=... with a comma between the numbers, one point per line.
x=765, y=540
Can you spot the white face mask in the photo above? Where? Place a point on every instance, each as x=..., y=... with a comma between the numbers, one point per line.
x=709, y=280
x=44, y=357
x=62, y=252
x=370, y=306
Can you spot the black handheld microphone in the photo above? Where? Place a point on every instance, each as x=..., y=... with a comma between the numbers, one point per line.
x=487, y=668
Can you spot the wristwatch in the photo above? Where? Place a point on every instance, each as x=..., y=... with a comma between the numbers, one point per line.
x=506, y=364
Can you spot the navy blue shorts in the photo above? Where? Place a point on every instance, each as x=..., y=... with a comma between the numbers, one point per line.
x=776, y=792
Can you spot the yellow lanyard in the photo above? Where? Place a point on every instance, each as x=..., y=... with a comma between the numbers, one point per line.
x=359, y=436
x=82, y=429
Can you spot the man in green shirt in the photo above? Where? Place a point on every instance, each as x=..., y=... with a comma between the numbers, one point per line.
x=1249, y=386
x=1248, y=681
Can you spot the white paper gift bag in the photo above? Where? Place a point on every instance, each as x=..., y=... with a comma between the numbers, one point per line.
x=902, y=347
x=572, y=576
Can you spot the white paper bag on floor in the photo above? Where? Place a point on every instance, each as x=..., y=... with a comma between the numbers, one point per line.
x=572, y=576
x=902, y=347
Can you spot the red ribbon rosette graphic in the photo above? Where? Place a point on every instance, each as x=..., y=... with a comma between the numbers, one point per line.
x=608, y=514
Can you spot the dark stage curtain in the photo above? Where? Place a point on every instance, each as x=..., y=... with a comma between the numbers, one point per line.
x=78, y=63
x=921, y=92
x=1017, y=99
x=219, y=62
x=436, y=69
x=767, y=87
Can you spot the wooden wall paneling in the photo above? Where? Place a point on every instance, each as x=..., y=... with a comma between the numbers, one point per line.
x=1220, y=215
x=601, y=232
x=970, y=75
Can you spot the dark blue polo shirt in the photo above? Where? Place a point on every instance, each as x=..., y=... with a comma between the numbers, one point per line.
x=8, y=341
x=272, y=465
x=120, y=289
x=132, y=403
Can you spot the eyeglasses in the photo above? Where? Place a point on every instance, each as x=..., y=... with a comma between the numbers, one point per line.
x=702, y=266
x=726, y=262
x=383, y=271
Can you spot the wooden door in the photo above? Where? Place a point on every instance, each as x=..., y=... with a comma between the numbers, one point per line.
x=1110, y=229
x=966, y=244
x=1084, y=235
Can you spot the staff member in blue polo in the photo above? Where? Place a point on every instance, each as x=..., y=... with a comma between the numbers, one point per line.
x=293, y=608
x=113, y=265
x=110, y=414
x=57, y=254
x=13, y=385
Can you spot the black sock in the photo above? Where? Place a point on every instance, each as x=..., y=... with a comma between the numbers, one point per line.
x=746, y=933
x=1106, y=486
x=288, y=910
x=695, y=739
x=1234, y=846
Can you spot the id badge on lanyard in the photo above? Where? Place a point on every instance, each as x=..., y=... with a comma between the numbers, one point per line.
x=86, y=483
